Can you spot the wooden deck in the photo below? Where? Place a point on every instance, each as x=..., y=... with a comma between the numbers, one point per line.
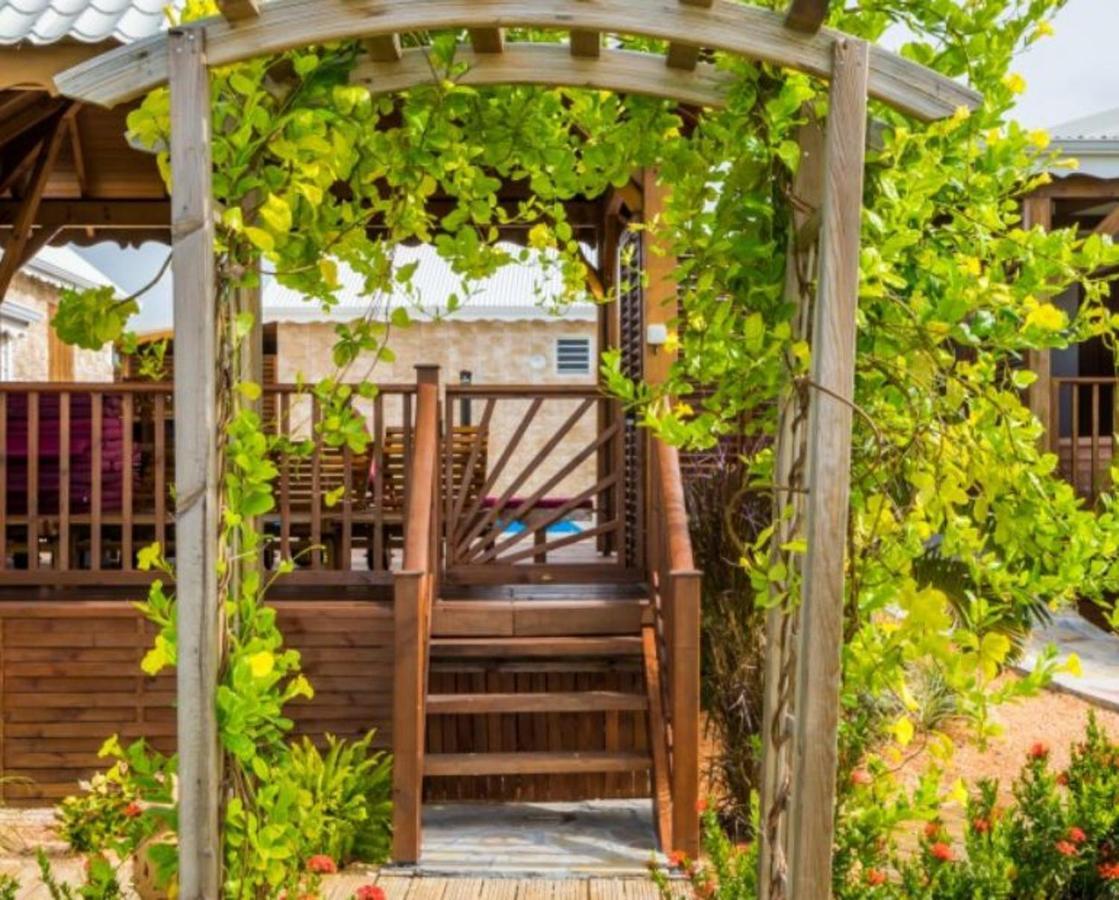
x=407, y=887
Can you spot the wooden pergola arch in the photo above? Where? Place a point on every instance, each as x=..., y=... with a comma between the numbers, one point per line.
x=799, y=778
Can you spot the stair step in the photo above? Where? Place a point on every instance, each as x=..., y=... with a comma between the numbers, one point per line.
x=567, y=665
x=451, y=764
x=559, y=702
x=535, y=647
x=537, y=618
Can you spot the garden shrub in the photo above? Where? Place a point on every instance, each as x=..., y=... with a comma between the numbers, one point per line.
x=1057, y=840
x=9, y=887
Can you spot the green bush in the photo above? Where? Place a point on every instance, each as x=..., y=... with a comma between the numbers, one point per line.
x=1058, y=840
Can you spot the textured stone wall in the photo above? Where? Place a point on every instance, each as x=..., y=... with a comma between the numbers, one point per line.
x=31, y=352
x=495, y=352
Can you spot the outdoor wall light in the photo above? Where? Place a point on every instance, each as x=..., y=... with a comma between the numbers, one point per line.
x=656, y=335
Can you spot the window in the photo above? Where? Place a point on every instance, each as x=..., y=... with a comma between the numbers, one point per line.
x=573, y=356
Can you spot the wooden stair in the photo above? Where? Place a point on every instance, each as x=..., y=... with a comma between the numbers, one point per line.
x=476, y=642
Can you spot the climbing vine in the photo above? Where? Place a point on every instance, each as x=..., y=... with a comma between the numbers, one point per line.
x=961, y=536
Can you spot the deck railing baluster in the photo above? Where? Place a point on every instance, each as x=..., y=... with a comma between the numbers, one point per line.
x=126, y=511
x=96, y=407
x=63, y=561
x=3, y=482
x=33, y=480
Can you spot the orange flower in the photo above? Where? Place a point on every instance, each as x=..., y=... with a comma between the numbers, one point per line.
x=980, y=825
x=942, y=851
x=861, y=777
x=932, y=829
x=1039, y=750
x=1065, y=848
x=369, y=892
x=701, y=805
x=875, y=877
x=677, y=859
x=1062, y=779
x=1077, y=835
x=133, y=810
x=1109, y=871
x=321, y=865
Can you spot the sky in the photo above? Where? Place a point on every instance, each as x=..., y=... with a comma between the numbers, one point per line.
x=1074, y=73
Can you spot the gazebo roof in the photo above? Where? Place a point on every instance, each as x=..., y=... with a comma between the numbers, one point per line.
x=1093, y=141
x=88, y=21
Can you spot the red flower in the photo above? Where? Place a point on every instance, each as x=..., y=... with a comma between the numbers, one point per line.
x=133, y=810
x=1109, y=871
x=369, y=892
x=861, y=777
x=932, y=829
x=1062, y=779
x=1065, y=848
x=980, y=825
x=701, y=805
x=321, y=865
x=1040, y=750
x=875, y=877
x=1077, y=835
x=942, y=851
x=677, y=859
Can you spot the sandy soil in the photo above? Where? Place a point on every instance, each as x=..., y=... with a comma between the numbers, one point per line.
x=1055, y=718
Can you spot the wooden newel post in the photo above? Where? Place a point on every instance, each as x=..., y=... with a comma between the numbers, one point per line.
x=820, y=639
x=412, y=592
x=197, y=470
x=684, y=673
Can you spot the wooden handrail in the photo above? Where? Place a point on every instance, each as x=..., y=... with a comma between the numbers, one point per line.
x=524, y=390
x=674, y=578
x=678, y=540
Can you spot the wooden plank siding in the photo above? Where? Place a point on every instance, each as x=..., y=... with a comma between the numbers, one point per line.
x=70, y=678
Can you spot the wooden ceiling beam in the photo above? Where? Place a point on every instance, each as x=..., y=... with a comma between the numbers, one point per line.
x=23, y=226
x=487, y=40
x=78, y=153
x=807, y=15
x=28, y=117
x=1110, y=223
x=586, y=44
x=239, y=10
x=113, y=215
x=744, y=30
x=685, y=55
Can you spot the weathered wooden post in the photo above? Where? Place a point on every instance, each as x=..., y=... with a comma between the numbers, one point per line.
x=820, y=638
x=788, y=515
x=197, y=471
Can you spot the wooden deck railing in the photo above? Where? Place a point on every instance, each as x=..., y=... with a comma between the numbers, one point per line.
x=414, y=593
x=535, y=485
x=1081, y=431
x=675, y=584
x=87, y=474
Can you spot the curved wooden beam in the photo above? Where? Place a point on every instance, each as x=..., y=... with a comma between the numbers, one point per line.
x=622, y=71
x=727, y=26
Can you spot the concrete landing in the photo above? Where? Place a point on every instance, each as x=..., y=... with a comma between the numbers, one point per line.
x=612, y=838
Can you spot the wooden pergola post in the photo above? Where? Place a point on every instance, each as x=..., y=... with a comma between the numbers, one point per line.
x=197, y=470
x=820, y=637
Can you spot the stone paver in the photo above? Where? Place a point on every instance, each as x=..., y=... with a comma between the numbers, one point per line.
x=1099, y=657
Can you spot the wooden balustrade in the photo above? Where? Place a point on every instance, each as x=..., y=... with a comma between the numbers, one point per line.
x=551, y=505
x=1081, y=432
x=675, y=584
x=87, y=474
x=414, y=594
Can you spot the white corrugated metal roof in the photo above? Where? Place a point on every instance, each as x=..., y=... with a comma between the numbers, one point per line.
x=1093, y=141
x=89, y=21
x=517, y=292
x=62, y=267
